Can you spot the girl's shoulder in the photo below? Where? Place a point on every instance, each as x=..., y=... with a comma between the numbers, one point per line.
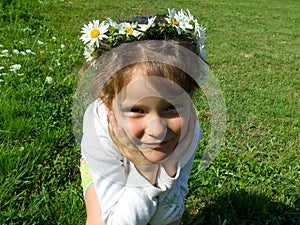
x=95, y=116
x=96, y=109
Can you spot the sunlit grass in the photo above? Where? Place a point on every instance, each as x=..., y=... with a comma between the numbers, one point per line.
x=254, y=52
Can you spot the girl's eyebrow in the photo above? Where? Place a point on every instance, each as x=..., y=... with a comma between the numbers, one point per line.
x=126, y=105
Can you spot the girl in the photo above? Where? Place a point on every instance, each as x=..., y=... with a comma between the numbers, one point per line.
x=140, y=134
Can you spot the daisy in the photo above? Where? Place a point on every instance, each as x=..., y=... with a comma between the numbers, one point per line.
x=198, y=30
x=144, y=27
x=94, y=32
x=174, y=19
x=88, y=53
x=113, y=23
x=190, y=18
x=129, y=29
x=186, y=22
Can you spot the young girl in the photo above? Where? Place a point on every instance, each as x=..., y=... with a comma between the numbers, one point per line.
x=141, y=132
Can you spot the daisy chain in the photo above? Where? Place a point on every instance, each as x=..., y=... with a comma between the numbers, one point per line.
x=100, y=37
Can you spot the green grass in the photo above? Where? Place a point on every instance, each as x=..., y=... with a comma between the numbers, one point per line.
x=253, y=51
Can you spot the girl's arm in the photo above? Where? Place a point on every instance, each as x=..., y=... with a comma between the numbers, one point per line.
x=93, y=210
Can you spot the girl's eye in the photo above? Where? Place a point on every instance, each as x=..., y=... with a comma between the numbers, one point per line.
x=170, y=107
x=134, y=112
x=171, y=110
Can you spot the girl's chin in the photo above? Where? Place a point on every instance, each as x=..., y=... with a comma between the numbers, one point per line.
x=155, y=156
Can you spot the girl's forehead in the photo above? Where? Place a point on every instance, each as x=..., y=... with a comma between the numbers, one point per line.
x=141, y=87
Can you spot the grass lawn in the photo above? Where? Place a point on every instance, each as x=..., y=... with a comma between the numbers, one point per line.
x=253, y=50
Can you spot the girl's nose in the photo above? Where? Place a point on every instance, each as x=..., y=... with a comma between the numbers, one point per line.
x=157, y=128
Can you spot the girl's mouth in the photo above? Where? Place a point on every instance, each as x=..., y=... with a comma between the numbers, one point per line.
x=156, y=145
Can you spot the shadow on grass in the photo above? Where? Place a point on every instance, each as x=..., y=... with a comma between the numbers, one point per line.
x=242, y=208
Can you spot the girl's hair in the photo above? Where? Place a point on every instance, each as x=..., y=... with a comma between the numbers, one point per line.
x=173, y=60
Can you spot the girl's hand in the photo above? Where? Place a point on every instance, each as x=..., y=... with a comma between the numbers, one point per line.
x=125, y=146
x=130, y=151
x=170, y=164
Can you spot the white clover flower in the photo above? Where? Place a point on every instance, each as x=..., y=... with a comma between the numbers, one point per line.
x=53, y=38
x=5, y=53
x=144, y=27
x=94, y=32
x=129, y=29
x=16, y=51
x=40, y=42
x=57, y=62
x=49, y=80
x=1, y=80
x=28, y=51
x=23, y=53
x=1, y=67
x=62, y=46
x=14, y=68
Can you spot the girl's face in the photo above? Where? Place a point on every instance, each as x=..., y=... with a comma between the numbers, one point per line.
x=154, y=120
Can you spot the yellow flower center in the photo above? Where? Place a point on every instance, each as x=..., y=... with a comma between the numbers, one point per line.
x=174, y=21
x=95, y=32
x=129, y=30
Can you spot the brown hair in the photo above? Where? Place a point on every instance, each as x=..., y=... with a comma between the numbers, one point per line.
x=115, y=69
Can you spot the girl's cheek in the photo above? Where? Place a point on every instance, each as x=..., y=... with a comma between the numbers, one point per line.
x=176, y=124
x=134, y=129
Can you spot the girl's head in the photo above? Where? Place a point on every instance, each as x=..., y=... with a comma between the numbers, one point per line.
x=151, y=97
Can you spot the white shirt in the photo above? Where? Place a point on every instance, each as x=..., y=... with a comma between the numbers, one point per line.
x=125, y=196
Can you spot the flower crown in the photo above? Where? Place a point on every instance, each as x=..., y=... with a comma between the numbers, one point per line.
x=100, y=37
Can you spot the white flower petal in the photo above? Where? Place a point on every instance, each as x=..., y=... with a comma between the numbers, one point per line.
x=15, y=67
x=49, y=80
